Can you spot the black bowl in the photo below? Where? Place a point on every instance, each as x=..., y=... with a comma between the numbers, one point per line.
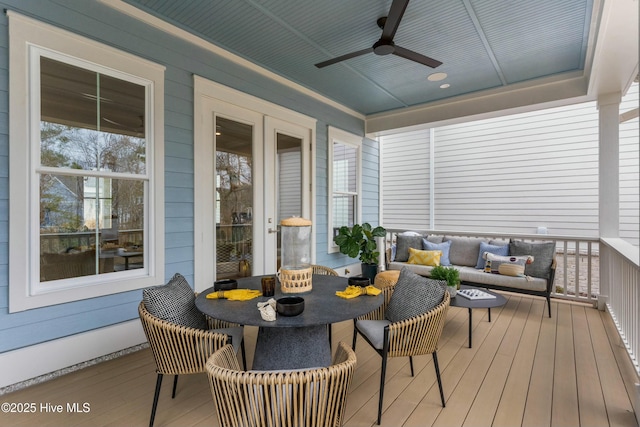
x=225, y=285
x=359, y=281
x=290, y=306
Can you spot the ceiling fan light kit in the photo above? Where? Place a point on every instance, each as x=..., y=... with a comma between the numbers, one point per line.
x=385, y=45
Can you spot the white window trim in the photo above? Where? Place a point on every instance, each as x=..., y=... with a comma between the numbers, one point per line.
x=343, y=137
x=25, y=36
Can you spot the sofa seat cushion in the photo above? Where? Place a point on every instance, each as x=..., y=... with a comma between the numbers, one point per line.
x=423, y=270
x=469, y=274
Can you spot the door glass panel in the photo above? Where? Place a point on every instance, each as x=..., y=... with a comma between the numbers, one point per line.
x=289, y=172
x=234, y=199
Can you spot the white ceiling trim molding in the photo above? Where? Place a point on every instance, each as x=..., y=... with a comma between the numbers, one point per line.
x=553, y=91
x=615, y=61
x=151, y=20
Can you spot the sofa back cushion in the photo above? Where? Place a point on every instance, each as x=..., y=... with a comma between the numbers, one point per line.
x=464, y=250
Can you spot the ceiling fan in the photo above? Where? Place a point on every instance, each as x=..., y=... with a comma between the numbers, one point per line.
x=385, y=46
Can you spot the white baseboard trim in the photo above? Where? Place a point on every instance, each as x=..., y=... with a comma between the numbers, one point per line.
x=36, y=360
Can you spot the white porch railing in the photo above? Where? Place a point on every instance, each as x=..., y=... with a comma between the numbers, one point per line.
x=620, y=275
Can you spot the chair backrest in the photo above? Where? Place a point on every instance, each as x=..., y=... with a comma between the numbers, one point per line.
x=178, y=349
x=68, y=265
x=326, y=271
x=419, y=334
x=301, y=397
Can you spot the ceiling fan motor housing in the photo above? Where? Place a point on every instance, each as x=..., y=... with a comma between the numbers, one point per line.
x=384, y=47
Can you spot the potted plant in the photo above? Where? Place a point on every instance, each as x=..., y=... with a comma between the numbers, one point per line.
x=449, y=275
x=359, y=241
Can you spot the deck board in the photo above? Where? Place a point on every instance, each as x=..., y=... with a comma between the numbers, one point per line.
x=525, y=369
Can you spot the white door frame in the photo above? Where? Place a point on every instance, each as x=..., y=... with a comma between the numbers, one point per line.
x=213, y=98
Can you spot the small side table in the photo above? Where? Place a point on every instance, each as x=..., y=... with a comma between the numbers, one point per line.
x=460, y=301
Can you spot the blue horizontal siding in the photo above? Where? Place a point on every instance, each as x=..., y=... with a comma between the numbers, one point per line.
x=182, y=60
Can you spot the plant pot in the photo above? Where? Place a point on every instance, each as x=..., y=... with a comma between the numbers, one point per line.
x=369, y=271
x=452, y=291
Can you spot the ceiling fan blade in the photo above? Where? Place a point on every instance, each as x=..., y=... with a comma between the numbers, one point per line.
x=416, y=57
x=344, y=57
x=393, y=19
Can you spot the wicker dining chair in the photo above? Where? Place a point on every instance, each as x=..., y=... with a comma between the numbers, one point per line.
x=325, y=271
x=414, y=336
x=181, y=349
x=300, y=397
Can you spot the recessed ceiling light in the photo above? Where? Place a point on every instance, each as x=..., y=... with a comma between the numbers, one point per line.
x=436, y=77
x=444, y=86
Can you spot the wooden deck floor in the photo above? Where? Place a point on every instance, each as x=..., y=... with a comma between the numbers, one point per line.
x=523, y=370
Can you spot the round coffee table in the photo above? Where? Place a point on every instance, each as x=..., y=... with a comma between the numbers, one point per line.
x=460, y=301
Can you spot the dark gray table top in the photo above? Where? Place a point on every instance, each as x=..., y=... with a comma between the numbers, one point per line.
x=321, y=305
x=460, y=301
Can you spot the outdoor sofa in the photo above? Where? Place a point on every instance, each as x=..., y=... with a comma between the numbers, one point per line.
x=468, y=255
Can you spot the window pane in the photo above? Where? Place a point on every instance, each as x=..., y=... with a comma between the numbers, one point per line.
x=344, y=167
x=344, y=210
x=234, y=224
x=89, y=225
x=90, y=121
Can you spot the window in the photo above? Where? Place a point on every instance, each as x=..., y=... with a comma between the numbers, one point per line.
x=344, y=181
x=86, y=208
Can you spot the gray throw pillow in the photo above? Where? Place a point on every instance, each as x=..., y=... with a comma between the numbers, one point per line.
x=414, y=295
x=464, y=250
x=542, y=253
x=403, y=243
x=174, y=302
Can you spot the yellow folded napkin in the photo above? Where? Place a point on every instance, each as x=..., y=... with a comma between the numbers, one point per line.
x=235, y=294
x=356, y=291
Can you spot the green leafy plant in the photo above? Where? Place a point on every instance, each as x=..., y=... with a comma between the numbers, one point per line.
x=359, y=241
x=448, y=274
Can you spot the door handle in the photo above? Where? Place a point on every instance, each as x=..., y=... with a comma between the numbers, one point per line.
x=276, y=230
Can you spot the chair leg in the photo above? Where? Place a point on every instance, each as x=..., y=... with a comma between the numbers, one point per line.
x=329, y=326
x=549, y=305
x=411, y=364
x=244, y=355
x=175, y=385
x=435, y=365
x=383, y=373
x=155, y=399
x=355, y=335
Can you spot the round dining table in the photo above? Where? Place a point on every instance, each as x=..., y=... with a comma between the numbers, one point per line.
x=292, y=342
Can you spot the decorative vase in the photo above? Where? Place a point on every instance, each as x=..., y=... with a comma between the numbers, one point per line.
x=369, y=271
x=453, y=290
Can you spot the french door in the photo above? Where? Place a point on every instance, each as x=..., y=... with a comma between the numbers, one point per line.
x=251, y=170
x=287, y=171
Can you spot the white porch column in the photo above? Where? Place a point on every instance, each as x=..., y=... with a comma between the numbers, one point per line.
x=609, y=183
x=609, y=164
